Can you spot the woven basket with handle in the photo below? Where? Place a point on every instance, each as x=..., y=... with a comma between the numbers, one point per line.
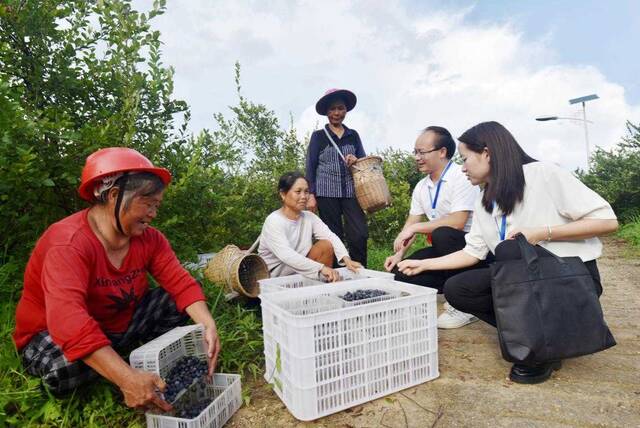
x=371, y=188
x=239, y=270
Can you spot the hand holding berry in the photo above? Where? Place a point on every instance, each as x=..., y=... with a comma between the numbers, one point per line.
x=140, y=389
x=330, y=275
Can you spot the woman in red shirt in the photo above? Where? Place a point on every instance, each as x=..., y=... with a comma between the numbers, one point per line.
x=86, y=293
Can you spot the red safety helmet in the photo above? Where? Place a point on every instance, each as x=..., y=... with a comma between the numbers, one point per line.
x=112, y=160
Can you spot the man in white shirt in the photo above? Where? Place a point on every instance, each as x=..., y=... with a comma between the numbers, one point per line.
x=446, y=197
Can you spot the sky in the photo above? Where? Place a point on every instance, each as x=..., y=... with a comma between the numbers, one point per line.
x=414, y=64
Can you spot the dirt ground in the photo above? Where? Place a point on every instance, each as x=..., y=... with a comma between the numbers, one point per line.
x=473, y=389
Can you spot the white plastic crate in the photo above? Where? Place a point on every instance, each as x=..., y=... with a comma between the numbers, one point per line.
x=311, y=403
x=161, y=354
x=324, y=354
x=225, y=392
x=282, y=283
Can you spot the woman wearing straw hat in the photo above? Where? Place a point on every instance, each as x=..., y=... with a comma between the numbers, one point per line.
x=332, y=150
x=86, y=293
x=286, y=240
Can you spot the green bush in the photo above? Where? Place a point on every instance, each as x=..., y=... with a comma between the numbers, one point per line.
x=615, y=174
x=401, y=175
x=630, y=231
x=67, y=88
x=229, y=180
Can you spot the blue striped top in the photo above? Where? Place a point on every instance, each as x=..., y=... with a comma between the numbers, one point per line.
x=327, y=173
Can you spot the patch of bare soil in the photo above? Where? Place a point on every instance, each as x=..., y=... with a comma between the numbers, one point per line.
x=473, y=389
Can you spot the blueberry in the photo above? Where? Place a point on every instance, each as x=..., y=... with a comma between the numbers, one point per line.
x=362, y=295
x=191, y=410
x=183, y=374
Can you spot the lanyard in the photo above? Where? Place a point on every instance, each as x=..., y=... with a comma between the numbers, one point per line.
x=502, y=229
x=434, y=201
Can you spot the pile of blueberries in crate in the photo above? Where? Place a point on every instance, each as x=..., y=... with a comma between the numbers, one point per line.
x=184, y=374
x=190, y=411
x=362, y=295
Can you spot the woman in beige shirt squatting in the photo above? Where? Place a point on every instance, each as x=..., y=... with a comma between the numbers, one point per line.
x=286, y=241
x=545, y=203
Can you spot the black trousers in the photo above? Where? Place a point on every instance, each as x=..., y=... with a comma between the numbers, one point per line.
x=470, y=291
x=444, y=240
x=355, y=230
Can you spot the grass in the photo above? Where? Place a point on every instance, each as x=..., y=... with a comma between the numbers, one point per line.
x=630, y=232
x=378, y=253
x=24, y=403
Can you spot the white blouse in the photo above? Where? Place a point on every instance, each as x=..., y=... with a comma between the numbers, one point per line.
x=285, y=243
x=553, y=197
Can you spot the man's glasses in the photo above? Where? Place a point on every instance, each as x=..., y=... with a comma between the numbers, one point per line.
x=423, y=153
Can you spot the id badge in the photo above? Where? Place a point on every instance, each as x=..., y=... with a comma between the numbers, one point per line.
x=433, y=214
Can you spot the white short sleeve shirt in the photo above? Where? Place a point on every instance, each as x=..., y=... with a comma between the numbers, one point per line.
x=456, y=194
x=553, y=197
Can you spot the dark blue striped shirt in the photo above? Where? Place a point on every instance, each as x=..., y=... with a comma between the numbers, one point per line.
x=327, y=173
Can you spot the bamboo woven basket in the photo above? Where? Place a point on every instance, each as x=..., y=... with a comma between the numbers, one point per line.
x=238, y=270
x=371, y=188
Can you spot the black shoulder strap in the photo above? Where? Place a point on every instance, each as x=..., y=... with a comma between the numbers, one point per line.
x=121, y=191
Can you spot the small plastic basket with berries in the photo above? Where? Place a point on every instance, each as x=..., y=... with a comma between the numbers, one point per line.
x=179, y=357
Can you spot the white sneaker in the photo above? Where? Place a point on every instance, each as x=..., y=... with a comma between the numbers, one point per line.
x=453, y=318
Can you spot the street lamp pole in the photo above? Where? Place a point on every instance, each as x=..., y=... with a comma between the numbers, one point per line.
x=583, y=100
x=586, y=131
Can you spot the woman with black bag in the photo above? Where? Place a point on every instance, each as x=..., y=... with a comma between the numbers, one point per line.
x=550, y=207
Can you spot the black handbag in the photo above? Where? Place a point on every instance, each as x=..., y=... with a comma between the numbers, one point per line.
x=546, y=308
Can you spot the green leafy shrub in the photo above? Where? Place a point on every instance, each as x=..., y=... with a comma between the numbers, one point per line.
x=73, y=78
x=631, y=231
x=401, y=175
x=615, y=174
x=229, y=180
